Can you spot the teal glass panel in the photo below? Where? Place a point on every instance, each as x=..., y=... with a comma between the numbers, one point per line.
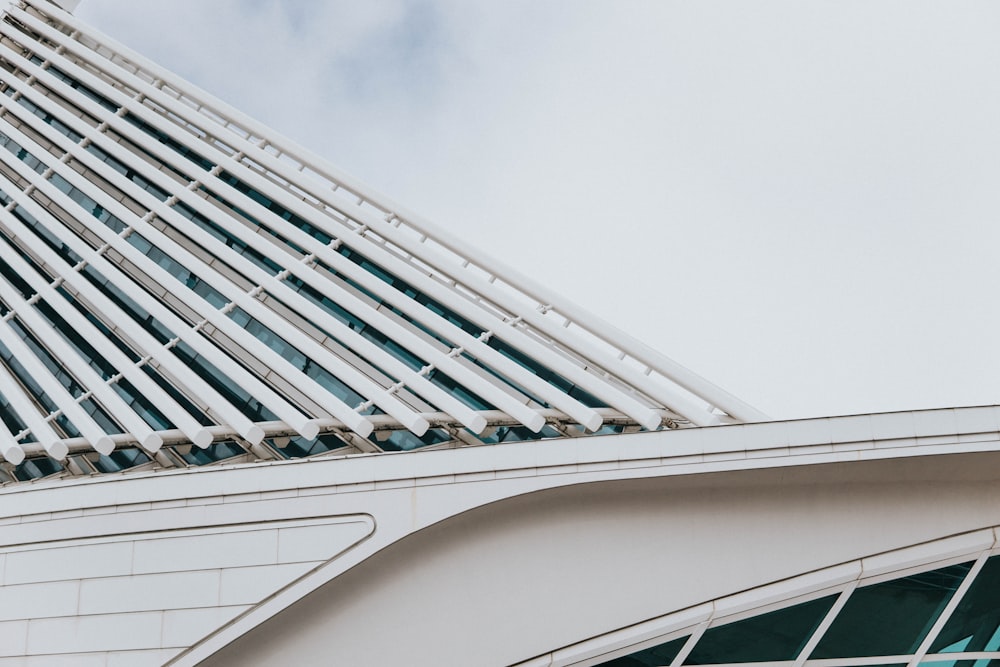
x=397, y=441
x=546, y=374
x=233, y=392
x=16, y=281
x=516, y=434
x=49, y=119
x=127, y=304
x=890, y=618
x=776, y=635
x=654, y=656
x=121, y=459
x=218, y=451
x=459, y=391
x=73, y=83
x=975, y=623
x=299, y=447
x=36, y=469
x=10, y=418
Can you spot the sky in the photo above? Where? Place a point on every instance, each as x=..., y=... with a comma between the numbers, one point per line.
x=798, y=200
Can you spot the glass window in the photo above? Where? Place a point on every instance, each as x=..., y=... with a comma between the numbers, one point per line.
x=654, y=656
x=397, y=441
x=298, y=447
x=778, y=635
x=36, y=468
x=218, y=451
x=890, y=618
x=975, y=623
x=121, y=459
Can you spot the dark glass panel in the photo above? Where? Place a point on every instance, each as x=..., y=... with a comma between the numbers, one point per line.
x=82, y=346
x=890, y=618
x=49, y=119
x=121, y=459
x=36, y=468
x=215, y=452
x=21, y=154
x=298, y=447
x=541, y=371
x=10, y=417
x=654, y=656
x=33, y=388
x=127, y=172
x=220, y=233
x=975, y=623
x=239, y=397
x=142, y=406
x=85, y=90
x=777, y=635
x=405, y=441
x=516, y=434
x=409, y=291
x=46, y=236
x=16, y=281
x=460, y=392
x=127, y=304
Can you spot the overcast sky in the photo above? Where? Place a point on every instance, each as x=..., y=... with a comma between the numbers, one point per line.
x=798, y=200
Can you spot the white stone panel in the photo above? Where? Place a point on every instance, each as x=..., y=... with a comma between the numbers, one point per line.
x=153, y=658
x=183, y=627
x=64, y=660
x=198, y=552
x=68, y=562
x=13, y=638
x=247, y=585
x=316, y=543
x=24, y=601
x=176, y=590
x=141, y=597
x=106, y=632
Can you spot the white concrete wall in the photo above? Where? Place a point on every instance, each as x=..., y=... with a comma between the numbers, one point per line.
x=138, y=598
x=522, y=577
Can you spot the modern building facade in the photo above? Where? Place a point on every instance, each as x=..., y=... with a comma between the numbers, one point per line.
x=253, y=412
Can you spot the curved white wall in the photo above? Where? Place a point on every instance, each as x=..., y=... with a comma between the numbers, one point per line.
x=521, y=577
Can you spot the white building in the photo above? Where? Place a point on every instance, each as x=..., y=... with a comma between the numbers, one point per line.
x=218, y=353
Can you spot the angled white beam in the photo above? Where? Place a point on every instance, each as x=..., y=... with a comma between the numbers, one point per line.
x=544, y=297
x=244, y=300
x=300, y=268
x=575, y=374
x=524, y=340
x=378, y=355
x=54, y=388
x=88, y=378
x=303, y=424
x=10, y=449
x=119, y=319
x=29, y=413
x=130, y=370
